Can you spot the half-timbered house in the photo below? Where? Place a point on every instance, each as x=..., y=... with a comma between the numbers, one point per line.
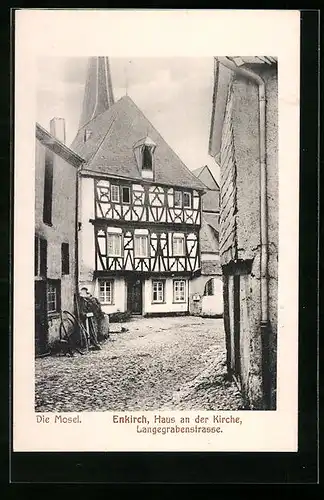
x=140, y=206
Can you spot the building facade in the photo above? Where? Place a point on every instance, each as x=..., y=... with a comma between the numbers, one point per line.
x=206, y=298
x=55, y=232
x=140, y=207
x=244, y=142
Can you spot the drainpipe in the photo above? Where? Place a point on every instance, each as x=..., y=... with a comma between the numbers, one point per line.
x=251, y=75
x=76, y=246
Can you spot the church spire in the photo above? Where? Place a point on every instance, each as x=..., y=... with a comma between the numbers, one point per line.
x=98, y=94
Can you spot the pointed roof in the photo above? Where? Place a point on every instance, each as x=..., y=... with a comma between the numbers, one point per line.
x=109, y=148
x=98, y=95
x=205, y=175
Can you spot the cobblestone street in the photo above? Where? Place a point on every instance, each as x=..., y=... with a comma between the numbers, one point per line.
x=158, y=364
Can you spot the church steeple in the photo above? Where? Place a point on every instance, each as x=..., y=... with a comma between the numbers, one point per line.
x=98, y=94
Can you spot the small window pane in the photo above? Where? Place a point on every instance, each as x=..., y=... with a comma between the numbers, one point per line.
x=114, y=245
x=141, y=246
x=53, y=296
x=125, y=194
x=177, y=199
x=106, y=292
x=115, y=193
x=178, y=245
x=187, y=200
x=179, y=291
x=158, y=291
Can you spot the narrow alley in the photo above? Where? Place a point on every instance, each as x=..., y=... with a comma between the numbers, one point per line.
x=169, y=363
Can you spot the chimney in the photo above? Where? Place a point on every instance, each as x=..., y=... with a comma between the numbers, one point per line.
x=57, y=129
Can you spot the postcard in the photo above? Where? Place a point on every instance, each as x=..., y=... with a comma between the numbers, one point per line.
x=156, y=230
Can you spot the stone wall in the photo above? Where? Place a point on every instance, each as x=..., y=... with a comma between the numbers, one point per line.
x=240, y=231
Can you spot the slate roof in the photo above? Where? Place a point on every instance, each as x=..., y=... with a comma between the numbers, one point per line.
x=209, y=238
x=210, y=201
x=109, y=149
x=211, y=267
x=205, y=174
x=212, y=219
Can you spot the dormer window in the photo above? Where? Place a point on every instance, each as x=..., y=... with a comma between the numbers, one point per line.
x=147, y=159
x=144, y=150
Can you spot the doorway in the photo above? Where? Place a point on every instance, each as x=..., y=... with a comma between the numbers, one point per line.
x=135, y=296
x=41, y=325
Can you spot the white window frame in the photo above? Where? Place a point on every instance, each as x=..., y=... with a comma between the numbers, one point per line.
x=156, y=283
x=112, y=192
x=114, y=253
x=179, y=292
x=174, y=201
x=138, y=247
x=106, y=293
x=55, y=292
x=175, y=251
x=190, y=199
x=129, y=190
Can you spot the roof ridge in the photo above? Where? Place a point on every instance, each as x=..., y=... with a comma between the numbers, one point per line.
x=161, y=136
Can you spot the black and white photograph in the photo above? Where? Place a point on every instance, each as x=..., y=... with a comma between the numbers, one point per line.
x=159, y=271
x=156, y=279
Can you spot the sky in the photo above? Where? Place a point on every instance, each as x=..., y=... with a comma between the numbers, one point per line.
x=175, y=94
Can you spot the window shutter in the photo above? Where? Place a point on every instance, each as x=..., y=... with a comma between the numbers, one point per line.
x=48, y=187
x=65, y=258
x=43, y=257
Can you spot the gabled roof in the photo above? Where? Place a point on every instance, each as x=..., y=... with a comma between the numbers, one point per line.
x=209, y=238
x=206, y=176
x=212, y=219
x=210, y=201
x=57, y=146
x=109, y=149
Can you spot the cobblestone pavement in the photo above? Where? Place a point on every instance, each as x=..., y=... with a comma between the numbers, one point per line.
x=158, y=364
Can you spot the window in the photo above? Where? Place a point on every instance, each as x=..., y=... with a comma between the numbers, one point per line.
x=187, y=200
x=209, y=287
x=147, y=159
x=53, y=296
x=178, y=245
x=106, y=291
x=179, y=291
x=126, y=195
x=158, y=291
x=48, y=188
x=114, y=245
x=178, y=199
x=115, y=193
x=40, y=256
x=65, y=258
x=141, y=245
